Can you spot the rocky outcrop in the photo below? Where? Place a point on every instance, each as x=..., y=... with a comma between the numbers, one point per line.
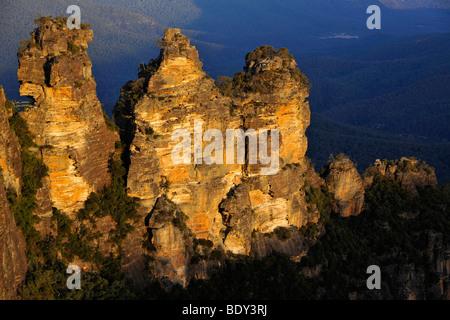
x=174, y=93
x=409, y=172
x=13, y=264
x=291, y=243
x=227, y=195
x=177, y=96
x=239, y=219
x=438, y=254
x=170, y=241
x=10, y=152
x=271, y=95
x=66, y=117
x=344, y=181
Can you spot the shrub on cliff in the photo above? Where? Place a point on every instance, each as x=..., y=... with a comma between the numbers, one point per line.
x=319, y=199
x=10, y=107
x=33, y=171
x=73, y=48
x=113, y=201
x=282, y=233
x=109, y=123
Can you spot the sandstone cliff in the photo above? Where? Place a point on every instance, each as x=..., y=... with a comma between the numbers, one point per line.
x=66, y=117
x=409, y=172
x=13, y=263
x=10, y=152
x=173, y=93
x=271, y=95
x=196, y=211
x=227, y=198
x=344, y=181
x=438, y=253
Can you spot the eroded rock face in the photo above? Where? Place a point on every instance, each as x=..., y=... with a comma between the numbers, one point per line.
x=10, y=152
x=226, y=200
x=271, y=95
x=409, y=172
x=238, y=217
x=294, y=246
x=171, y=240
x=66, y=118
x=175, y=93
x=344, y=181
x=13, y=264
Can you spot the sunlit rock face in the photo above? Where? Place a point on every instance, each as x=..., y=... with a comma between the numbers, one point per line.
x=66, y=117
x=344, y=181
x=227, y=199
x=178, y=95
x=270, y=94
x=174, y=93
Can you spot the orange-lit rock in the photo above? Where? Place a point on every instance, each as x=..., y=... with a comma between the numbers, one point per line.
x=344, y=181
x=271, y=94
x=173, y=92
x=66, y=118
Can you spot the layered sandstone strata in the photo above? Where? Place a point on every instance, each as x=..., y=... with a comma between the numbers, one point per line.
x=344, y=181
x=225, y=200
x=174, y=93
x=270, y=94
x=66, y=117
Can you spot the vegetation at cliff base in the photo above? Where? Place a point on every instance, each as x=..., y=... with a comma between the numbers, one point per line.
x=112, y=201
x=48, y=258
x=391, y=233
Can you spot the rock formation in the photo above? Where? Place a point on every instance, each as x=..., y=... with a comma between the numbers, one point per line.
x=13, y=264
x=174, y=93
x=228, y=198
x=10, y=152
x=344, y=181
x=415, y=283
x=170, y=239
x=270, y=95
x=66, y=117
x=409, y=172
x=209, y=188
